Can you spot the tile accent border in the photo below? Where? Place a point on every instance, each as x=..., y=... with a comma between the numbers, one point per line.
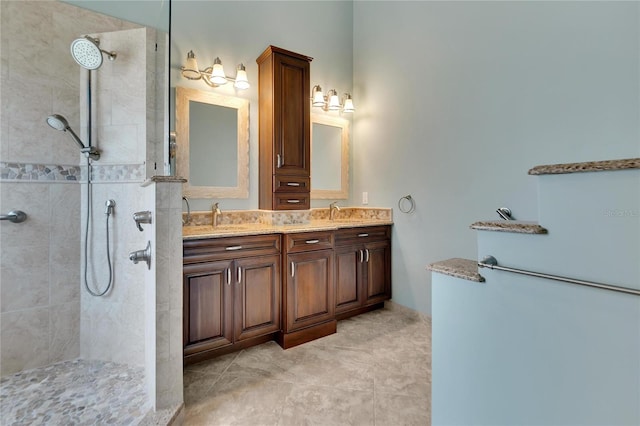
x=39, y=172
x=117, y=172
x=65, y=173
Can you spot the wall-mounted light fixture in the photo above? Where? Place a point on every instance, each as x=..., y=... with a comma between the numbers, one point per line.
x=331, y=101
x=214, y=75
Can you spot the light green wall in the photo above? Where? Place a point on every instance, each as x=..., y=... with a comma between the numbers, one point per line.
x=457, y=100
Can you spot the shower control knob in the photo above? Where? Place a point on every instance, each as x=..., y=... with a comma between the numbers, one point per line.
x=144, y=255
x=142, y=217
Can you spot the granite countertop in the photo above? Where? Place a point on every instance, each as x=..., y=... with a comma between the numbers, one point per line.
x=515, y=226
x=590, y=166
x=243, y=229
x=466, y=269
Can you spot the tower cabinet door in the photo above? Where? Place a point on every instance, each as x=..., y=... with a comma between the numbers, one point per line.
x=310, y=295
x=292, y=116
x=256, y=296
x=207, y=306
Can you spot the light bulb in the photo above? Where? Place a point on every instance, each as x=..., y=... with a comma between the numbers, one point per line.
x=334, y=102
x=217, y=74
x=190, y=70
x=318, y=97
x=242, y=82
x=348, y=104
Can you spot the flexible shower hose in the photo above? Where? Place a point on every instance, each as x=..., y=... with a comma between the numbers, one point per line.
x=86, y=239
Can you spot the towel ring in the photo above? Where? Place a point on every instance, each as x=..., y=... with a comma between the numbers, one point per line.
x=407, y=204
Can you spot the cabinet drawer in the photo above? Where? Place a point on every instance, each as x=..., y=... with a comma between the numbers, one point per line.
x=195, y=251
x=291, y=201
x=308, y=241
x=291, y=184
x=348, y=236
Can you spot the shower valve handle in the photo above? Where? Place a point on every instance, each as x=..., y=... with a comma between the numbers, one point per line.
x=142, y=217
x=142, y=255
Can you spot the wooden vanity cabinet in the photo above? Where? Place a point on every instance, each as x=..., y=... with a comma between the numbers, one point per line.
x=284, y=130
x=308, y=290
x=362, y=269
x=231, y=294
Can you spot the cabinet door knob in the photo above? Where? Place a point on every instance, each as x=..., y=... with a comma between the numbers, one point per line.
x=239, y=274
x=293, y=269
x=278, y=161
x=361, y=256
x=228, y=276
x=367, y=252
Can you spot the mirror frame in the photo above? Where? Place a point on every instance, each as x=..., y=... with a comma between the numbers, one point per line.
x=183, y=96
x=343, y=124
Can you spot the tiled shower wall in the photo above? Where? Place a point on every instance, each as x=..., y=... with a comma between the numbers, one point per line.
x=41, y=318
x=113, y=326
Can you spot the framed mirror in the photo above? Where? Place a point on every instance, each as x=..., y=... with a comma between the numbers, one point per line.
x=212, y=137
x=329, y=157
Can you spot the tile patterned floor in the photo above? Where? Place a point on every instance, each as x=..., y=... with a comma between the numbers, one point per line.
x=375, y=371
x=77, y=392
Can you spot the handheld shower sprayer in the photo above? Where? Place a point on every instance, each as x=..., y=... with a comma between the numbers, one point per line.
x=58, y=122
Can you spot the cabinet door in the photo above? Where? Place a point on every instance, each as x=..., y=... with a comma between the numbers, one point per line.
x=349, y=291
x=292, y=116
x=310, y=295
x=207, y=306
x=377, y=284
x=257, y=296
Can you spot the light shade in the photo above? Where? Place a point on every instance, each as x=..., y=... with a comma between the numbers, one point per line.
x=348, y=103
x=318, y=97
x=334, y=101
x=217, y=74
x=242, y=82
x=190, y=70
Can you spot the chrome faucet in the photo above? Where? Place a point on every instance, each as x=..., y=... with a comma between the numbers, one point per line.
x=333, y=208
x=188, y=218
x=215, y=212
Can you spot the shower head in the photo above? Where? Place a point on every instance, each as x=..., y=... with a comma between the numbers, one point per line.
x=58, y=122
x=87, y=53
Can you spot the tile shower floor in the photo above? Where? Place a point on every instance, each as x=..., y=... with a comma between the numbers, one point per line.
x=375, y=371
x=77, y=392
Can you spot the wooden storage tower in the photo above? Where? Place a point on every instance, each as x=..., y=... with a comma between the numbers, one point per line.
x=285, y=131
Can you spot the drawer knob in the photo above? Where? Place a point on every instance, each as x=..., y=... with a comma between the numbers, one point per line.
x=363, y=235
x=293, y=184
x=293, y=201
x=312, y=241
x=233, y=248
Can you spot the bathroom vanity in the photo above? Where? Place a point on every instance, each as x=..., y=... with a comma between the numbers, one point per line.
x=246, y=284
